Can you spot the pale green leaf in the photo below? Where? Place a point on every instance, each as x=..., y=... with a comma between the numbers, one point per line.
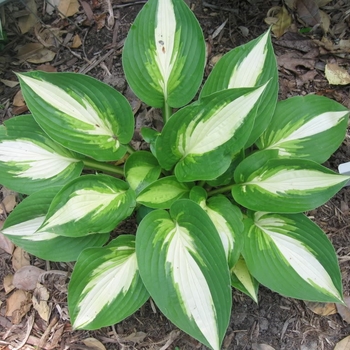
x=164, y=54
x=310, y=127
x=21, y=226
x=182, y=263
x=89, y=204
x=30, y=161
x=105, y=286
x=79, y=112
x=292, y=256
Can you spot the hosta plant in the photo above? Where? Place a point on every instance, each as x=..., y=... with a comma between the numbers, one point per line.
x=219, y=197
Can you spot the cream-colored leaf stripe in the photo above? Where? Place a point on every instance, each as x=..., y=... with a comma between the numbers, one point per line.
x=164, y=36
x=316, y=125
x=243, y=275
x=61, y=100
x=136, y=174
x=204, y=136
x=27, y=230
x=223, y=229
x=297, y=255
x=287, y=180
x=37, y=162
x=107, y=281
x=248, y=71
x=191, y=284
x=82, y=203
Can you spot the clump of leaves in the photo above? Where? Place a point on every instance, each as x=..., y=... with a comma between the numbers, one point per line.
x=220, y=195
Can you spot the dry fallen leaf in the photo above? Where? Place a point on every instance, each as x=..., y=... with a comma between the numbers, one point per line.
x=35, y=53
x=8, y=286
x=325, y=21
x=26, y=277
x=76, y=42
x=344, y=344
x=18, y=100
x=9, y=83
x=20, y=258
x=336, y=75
x=50, y=7
x=215, y=59
x=27, y=22
x=262, y=347
x=47, y=68
x=9, y=202
x=100, y=20
x=244, y=31
x=40, y=299
x=19, y=110
x=49, y=37
x=68, y=7
x=135, y=337
x=17, y=305
x=94, y=344
x=321, y=3
x=280, y=19
x=308, y=12
x=344, y=311
x=323, y=309
x=6, y=244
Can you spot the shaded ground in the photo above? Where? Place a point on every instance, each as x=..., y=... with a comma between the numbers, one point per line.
x=282, y=323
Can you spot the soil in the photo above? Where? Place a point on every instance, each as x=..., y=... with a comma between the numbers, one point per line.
x=275, y=322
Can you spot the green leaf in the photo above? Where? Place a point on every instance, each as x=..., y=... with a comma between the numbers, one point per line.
x=161, y=194
x=79, y=112
x=164, y=54
x=292, y=256
x=150, y=136
x=209, y=131
x=21, y=226
x=242, y=280
x=30, y=161
x=105, y=286
x=283, y=185
x=310, y=127
x=89, y=204
x=141, y=169
x=183, y=266
x=227, y=219
x=250, y=65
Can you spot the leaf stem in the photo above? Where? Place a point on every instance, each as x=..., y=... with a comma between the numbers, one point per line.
x=96, y=165
x=130, y=149
x=221, y=190
x=167, y=112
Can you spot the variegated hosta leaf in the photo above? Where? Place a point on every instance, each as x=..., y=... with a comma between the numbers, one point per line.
x=141, y=169
x=161, y=194
x=89, y=204
x=105, y=286
x=30, y=161
x=207, y=132
x=310, y=127
x=79, y=112
x=21, y=226
x=227, y=219
x=292, y=256
x=250, y=65
x=284, y=185
x=242, y=280
x=164, y=54
x=182, y=263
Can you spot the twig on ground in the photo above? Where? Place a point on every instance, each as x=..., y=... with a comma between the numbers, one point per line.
x=215, y=7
